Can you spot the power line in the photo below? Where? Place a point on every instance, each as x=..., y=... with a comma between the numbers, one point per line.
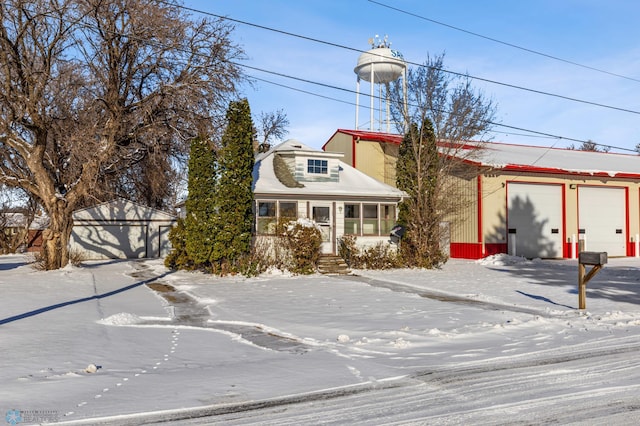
x=515, y=46
x=486, y=80
x=329, y=86
x=543, y=134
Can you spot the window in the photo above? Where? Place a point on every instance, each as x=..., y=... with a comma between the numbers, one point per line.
x=370, y=219
x=352, y=219
x=387, y=218
x=317, y=167
x=288, y=210
x=267, y=217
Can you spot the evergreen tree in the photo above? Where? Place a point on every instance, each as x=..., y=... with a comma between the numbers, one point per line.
x=234, y=192
x=417, y=173
x=200, y=219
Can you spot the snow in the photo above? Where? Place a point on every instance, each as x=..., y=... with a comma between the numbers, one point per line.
x=352, y=182
x=495, y=341
x=499, y=155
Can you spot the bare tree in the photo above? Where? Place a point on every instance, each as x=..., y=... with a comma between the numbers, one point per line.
x=444, y=113
x=99, y=98
x=271, y=125
x=590, y=145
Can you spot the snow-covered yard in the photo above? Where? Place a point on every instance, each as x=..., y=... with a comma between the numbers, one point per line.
x=492, y=342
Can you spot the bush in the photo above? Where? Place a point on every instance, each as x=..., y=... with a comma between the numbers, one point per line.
x=379, y=256
x=348, y=250
x=303, y=239
x=178, y=257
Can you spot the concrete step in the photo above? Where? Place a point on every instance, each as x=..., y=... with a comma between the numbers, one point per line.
x=331, y=264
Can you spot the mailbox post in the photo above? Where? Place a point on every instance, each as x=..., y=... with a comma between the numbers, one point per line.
x=595, y=259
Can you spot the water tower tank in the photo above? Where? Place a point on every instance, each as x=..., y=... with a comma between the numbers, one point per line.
x=387, y=65
x=380, y=66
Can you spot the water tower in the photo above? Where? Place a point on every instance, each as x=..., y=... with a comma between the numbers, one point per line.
x=380, y=66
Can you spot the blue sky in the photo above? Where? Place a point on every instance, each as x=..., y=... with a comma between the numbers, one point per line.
x=594, y=33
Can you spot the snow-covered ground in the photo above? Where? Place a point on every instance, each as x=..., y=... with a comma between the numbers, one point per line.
x=498, y=341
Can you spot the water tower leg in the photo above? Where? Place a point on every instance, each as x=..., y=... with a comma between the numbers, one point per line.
x=371, y=101
x=357, y=100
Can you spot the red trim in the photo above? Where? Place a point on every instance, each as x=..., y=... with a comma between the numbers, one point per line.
x=479, y=212
x=565, y=250
x=373, y=136
x=475, y=250
x=353, y=151
x=627, y=220
x=495, y=248
x=465, y=251
x=555, y=171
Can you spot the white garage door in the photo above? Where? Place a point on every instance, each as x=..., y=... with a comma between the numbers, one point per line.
x=534, y=220
x=602, y=218
x=110, y=241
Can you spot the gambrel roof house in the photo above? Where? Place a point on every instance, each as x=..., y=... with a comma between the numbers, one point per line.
x=527, y=200
x=292, y=180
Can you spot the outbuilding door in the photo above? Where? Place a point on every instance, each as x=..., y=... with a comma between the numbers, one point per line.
x=534, y=220
x=602, y=219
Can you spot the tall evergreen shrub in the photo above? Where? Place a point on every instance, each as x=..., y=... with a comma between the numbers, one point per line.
x=234, y=192
x=200, y=221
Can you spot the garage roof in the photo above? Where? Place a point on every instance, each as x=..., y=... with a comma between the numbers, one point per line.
x=528, y=158
x=121, y=210
x=557, y=160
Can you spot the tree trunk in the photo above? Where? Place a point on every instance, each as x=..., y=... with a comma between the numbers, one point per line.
x=55, y=239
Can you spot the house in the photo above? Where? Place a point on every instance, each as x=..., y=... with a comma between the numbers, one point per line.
x=373, y=153
x=529, y=201
x=292, y=180
x=23, y=231
x=121, y=229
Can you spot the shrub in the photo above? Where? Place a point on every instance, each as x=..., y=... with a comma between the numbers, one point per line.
x=76, y=257
x=303, y=239
x=348, y=250
x=178, y=258
x=379, y=256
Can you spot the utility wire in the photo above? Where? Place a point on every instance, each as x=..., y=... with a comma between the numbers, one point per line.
x=328, y=43
x=329, y=86
x=544, y=134
x=515, y=46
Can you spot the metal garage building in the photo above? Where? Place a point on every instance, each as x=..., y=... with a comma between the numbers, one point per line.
x=121, y=229
x=530, y=201
x=545, y=202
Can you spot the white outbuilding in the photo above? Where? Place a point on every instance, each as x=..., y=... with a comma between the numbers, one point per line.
x=121, y=229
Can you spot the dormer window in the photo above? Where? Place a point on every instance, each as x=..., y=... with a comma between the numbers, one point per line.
x=317, y=167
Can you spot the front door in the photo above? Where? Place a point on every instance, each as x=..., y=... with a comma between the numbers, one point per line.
x=321, y=214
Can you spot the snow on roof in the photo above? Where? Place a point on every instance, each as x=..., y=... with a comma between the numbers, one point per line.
x=558, y=160
x=351, y=182
x=19, y=220
x=535, y=158
x=120, y=209
x=393, y=138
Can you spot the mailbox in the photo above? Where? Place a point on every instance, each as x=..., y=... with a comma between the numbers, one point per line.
x=592, y=257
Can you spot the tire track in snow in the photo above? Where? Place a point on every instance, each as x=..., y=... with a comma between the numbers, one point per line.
x=444, y=297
